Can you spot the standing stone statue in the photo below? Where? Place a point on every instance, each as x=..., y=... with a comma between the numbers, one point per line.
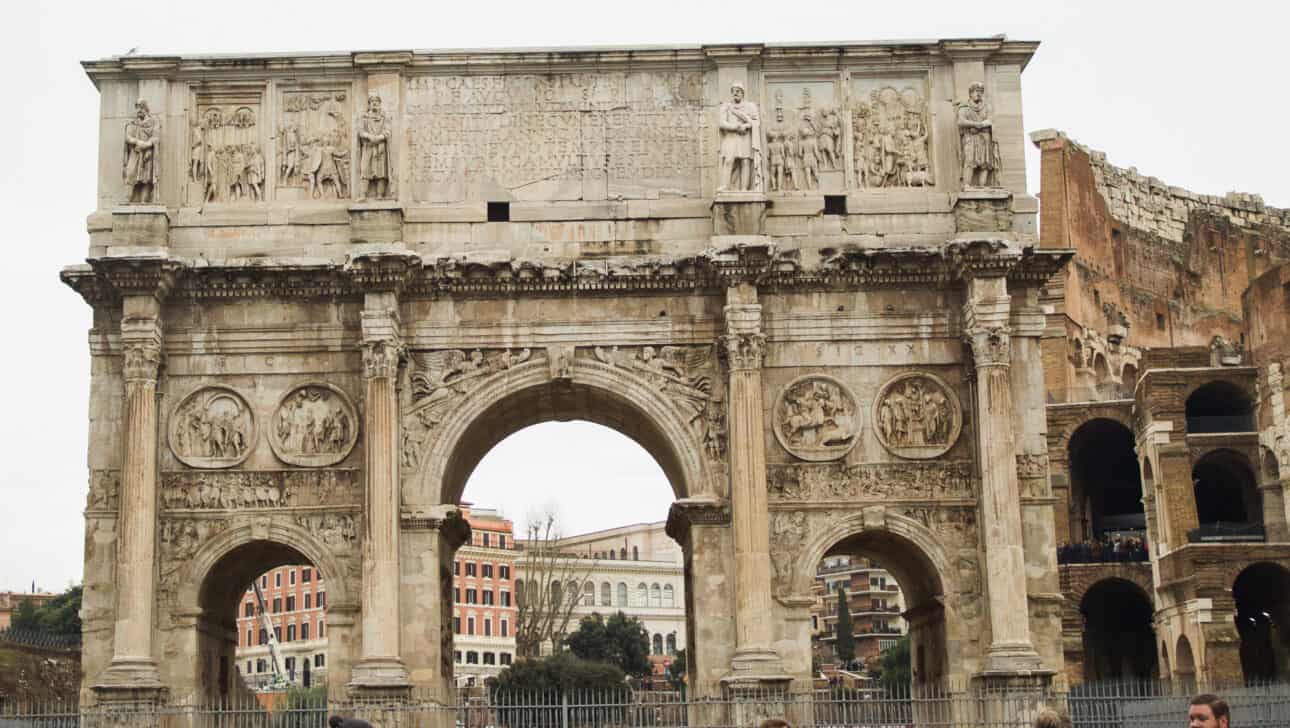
x=981, y=162
x=740, y=151
x=374, y=156
x=142, y=136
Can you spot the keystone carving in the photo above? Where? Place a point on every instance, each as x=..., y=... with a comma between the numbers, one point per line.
x=212, y=428
x=917, y=416
x=816, y=418
x=314, y=425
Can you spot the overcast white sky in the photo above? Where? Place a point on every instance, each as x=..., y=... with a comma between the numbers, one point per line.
x=1192, y=93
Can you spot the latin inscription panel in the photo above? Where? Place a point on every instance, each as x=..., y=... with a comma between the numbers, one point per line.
x=571, y=136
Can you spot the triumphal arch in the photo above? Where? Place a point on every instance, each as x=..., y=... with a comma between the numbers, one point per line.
x=805, y=278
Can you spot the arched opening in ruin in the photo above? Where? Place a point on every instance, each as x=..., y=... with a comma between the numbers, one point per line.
x=1106, y=487
x=1219, y=407
x=1262, y=595
x=1185, y=667
x=268, y=640
x=1119, y=638
x=581, y=480
x=1227, y=495
x=1128, y=380
x=892, y=594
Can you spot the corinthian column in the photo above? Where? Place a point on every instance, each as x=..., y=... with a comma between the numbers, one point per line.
x=381, y=666
x=985, y=316
x=744, y=346
x=133, y=665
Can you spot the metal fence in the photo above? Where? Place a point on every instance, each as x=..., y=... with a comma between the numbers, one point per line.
x=41, y=640
x=1103, y=705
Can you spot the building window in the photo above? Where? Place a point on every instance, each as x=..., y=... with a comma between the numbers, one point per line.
x=490, y=658
x=304, y=630
x=456, y=656
x=291, y=577
x=277, y=634
x=671, y=644
x=506, y=628
x=264, y=637
x=606, y=596
x=248, y=667
x=250, y=609
x=249, y=635
x=472, y=596
x=306, y=575
x=470, y=568
x=290, y=664
x=322, y=599
x=488, y=626
x=655, y=595
x=589, y=594
x=277, y=579
x=291, y=633
x=456, y=568
x=456, y=595
x=622, y=594
x=470, y=625
x=488, y=571
x=658, y=644
x=669, y=596
x=503, y=572
x=456, y=625
x=322, y=629
x=501, y=541
x=472, y=658
x=636, y=554
x=291, y=603
x=277, y=604
x=308, y=600
x=486, y=539
x=622, y=554
x=504, y=658
x=488, y=597
x=506, y=598
x=320, y=660
x=261, y=665
x=642, y=594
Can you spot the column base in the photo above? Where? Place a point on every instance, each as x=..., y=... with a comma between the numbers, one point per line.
x=754, y=692
x=759, y=665
x=380, y=678
x=128, y=675
x=1020, y=659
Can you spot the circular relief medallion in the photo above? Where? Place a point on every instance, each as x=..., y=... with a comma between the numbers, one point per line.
x=917, y=416
x=212, y=428
x=816, y=418
x=314, y=425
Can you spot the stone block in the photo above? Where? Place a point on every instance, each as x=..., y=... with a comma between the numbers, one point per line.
x=739, y=213
x=141, y=226
x=376, y=222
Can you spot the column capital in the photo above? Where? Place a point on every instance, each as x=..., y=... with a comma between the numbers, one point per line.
x=991, y=345
x=744, y=344
x=383, y=349
x=141, y=346
x=744, y=351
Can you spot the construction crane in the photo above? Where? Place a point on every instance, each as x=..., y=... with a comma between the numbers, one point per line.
x=278, y=681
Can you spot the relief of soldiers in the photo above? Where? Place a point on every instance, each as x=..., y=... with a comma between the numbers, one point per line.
x=891, y=139
x=808, y=150
x=373, y=144
x=142, y=136
x=740, y=153
x=981, y=163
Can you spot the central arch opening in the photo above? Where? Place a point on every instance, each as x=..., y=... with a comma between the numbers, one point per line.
x=567, y=490
x=1119, y=637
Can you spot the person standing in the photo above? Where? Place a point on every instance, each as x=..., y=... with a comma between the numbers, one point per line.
x=374, y=157
x=142, y=135
x=740, y=130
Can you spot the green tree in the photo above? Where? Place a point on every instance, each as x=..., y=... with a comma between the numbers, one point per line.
x=676, y=671
x=845, y=643
x=620, y=640
x=25, y=617
x=894, y=669
x=528, y=693
x=62, y=615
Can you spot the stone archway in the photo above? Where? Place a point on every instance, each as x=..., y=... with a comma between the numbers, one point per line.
x=202, y=637
x=1118, y=633
x=935, y=591
x=1262, y=595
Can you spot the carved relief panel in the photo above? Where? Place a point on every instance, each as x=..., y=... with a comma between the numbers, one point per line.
x=315, y=425
x=212, y=428
x=804, y=147
x=916, y=415
x=314, y=144
x=226, y=142
x=816, y=418
x=891, y=133
x=262, y=489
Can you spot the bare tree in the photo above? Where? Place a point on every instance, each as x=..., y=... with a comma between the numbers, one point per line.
x=548, y=589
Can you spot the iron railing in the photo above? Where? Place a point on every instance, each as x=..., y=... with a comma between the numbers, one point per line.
x=1090, y=705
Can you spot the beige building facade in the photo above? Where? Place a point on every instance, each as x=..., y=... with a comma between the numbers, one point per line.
x=804, y=278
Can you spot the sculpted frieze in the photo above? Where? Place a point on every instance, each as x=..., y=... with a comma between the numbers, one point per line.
x=251, y=490
x=803, y=137
x=788, y=532
x=337, y=531
x=952, y=523
x=916, y=415
x=878, y=481
x=212, y=428
x=313, y=143
x=314, y=425
x=891, y=134
x=816, y=418
x=105, y=490
x=182, y=537
x=225, y=151
x=1032, y=474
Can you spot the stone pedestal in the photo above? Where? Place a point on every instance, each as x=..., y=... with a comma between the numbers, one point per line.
x=379, y=221
x=739, y=213
x=983, y=210
x=752, y=700
x=141, y=226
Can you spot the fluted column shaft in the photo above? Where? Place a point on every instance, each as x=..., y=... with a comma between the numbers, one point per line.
x=988, y=334
x=381, y=665
x=744, y=347
x=133, y=664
